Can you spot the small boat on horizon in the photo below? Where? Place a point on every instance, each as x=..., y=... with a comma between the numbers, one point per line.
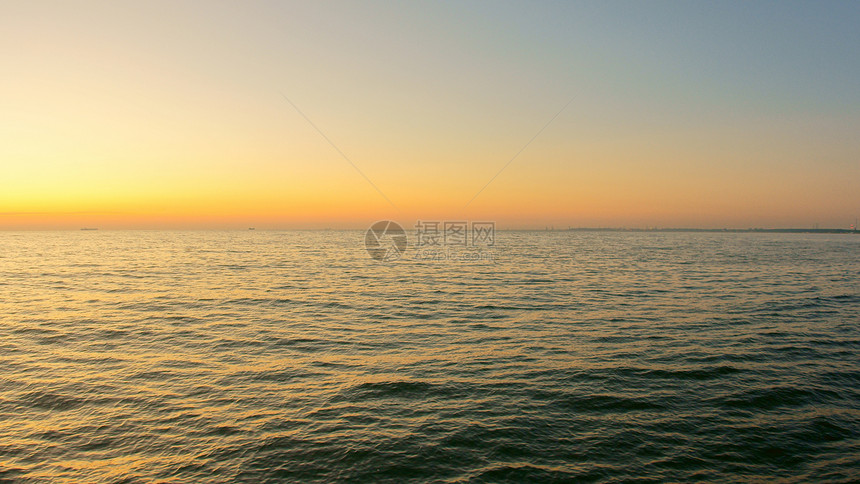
x=89, y=228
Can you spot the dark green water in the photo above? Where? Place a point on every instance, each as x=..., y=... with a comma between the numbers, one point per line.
x=264, y=356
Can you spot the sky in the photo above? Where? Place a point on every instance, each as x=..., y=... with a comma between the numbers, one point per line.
x=209, y=114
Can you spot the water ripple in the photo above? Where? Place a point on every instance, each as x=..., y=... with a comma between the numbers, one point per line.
x=268, y=356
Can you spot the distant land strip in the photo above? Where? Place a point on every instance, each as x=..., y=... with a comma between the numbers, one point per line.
x=770, y=231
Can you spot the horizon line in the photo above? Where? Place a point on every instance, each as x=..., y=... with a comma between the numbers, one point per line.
x=547, y=228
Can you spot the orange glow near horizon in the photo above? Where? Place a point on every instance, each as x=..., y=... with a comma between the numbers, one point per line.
x=124, y=117
x=642, y=182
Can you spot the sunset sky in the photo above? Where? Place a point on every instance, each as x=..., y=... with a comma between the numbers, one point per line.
x=175, y=114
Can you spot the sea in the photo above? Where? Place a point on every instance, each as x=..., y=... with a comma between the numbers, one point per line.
x=556, y=356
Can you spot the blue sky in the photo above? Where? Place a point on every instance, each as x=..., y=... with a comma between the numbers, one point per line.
x=683, y=113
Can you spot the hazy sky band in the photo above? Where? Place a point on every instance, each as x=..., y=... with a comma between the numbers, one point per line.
x=685, y=113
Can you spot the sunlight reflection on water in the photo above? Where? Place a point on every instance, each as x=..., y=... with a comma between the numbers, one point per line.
x=258, y=355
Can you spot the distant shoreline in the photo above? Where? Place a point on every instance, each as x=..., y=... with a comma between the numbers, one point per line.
x=498, y=229
x=743, y=231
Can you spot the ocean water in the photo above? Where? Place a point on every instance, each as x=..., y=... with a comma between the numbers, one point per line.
x=257, y=356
